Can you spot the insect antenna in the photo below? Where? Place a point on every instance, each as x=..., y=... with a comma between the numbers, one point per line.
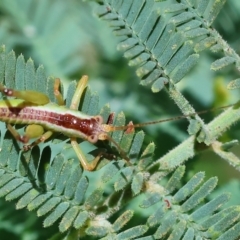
x=130, y=127
x=122, y=153
x=138, y=125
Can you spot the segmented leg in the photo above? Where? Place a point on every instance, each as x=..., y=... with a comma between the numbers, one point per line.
x=85, y=164
x=29, y=96
x=32, y=131
x=43, y=138
x=74, y=105
x=57, y=93
x=16, y=135
x=78, y=93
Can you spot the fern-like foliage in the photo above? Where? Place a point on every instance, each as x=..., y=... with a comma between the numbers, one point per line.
x=157, y=38
x=165, y=44
x=164, y=41
x=63, y=192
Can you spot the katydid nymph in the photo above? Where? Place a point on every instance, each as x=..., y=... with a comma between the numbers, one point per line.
x=35, y=110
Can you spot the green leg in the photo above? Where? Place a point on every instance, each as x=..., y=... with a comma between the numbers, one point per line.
x=82, y=84
x=29, y=96
x=32, y=131
x=74, y=105
x=85, y=164
x=16, y=135
x=43, y=138
x=57, y=93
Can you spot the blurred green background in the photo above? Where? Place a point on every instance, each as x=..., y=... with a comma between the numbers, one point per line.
x=69, y=40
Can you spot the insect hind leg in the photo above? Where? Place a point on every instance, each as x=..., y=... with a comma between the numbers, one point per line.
x=21, y=138
x=41, y=139
x=27, y=95
x=30, y=130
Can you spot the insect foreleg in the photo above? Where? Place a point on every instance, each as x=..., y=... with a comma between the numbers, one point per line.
x=74, y=105
x=78, y=93
x=57, y=93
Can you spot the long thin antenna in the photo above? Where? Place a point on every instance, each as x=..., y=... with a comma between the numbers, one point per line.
x=122, y=153
x=117, y=128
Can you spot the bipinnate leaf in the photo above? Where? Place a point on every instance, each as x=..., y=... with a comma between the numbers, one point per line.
x=97, y=230
x=133, y=232
x=137, y=183
x=174, y=181
x=184, y=68
x=56, y=214
x=10, y=63
x=154, y=36
x=178, y=230
x=164, y=41
x=38, y=201
x=225, y=225
x=111, y=170
x=234, y=84
x=122, y=220
x=214, y=11
x=168, y=223
x=233, y=233
x=189, y=187
x=48, y=206
x=68, y=219
x=19, y=191
x=200, y=194
x=156, y=218
x=150, y=200
x=93, y=199
x=81, y=190
x=189, y=235
x=10, y=186
x=209, y=208
x=124, y=177
x=27, y=198
x=223, y=62
x=81, y=219
x=146, y=157
x=164, y=44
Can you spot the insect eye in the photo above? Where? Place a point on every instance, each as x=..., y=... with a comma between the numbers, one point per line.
x=8, y=92
x=93, y=138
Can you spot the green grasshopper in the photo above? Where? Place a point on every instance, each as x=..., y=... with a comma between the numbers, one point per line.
x=35, y=110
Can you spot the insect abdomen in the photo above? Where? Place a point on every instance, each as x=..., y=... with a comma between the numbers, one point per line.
x=67, y=123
